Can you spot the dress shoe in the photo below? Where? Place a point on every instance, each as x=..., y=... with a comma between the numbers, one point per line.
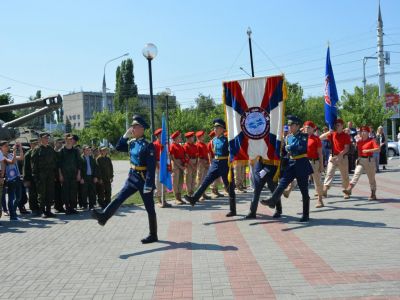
x=268, y=202
x=190, y=199
x=304, y=219
x=49, y=214
x=251, y=216
x=99, y=216
x=150, y=239
x=231, y=214
x=277, y=215
x=60, y=210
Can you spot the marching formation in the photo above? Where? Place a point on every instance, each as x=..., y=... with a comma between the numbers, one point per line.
x=199, y=164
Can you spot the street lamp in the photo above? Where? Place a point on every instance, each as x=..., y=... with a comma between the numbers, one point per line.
x=5, y=89
x=249, y=32
x=150, y=52
x=104, y=102
x=167, y=94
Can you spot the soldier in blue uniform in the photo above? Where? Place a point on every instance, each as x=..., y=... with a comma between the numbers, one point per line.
x=219, y=168
x=298, y=167
x=141, y=176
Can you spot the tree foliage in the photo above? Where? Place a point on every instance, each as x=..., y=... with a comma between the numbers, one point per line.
x=9, y=115
x=125, y=87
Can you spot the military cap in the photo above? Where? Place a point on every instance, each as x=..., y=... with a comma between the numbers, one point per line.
x=293, y=120
x=3, y=142
x=68, y=136
x=189, y=134
x=85, y=147
x=219, y=122
x=158, y=131
x=211, y=134
x=44, y=134
x=138, y=120
x=365, y=128
x=200, y=133
x=175, y=134
x=59, y=140
x=75, y=137
x=339, y=121
x=310, y=124
x=103, y=148
x=32, y=141
x=285, y=128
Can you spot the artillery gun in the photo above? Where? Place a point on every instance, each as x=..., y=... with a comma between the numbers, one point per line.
x=9, y=130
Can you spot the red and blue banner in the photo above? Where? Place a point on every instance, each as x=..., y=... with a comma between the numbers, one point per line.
x=255, y=117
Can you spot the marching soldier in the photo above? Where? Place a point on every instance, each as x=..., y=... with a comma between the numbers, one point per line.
x=219, y=168
x=366, y=147
x=160, y=193
x=58, y=200
x=44, y=165
x=141, y=176
x=69, y=165
x=214, y=186
x=203, y=160
x=298, y=167
x=88, y=178
x=106, y=175
x=340, y=146
x=29, y=182
x=191, y=159
x=178, y=161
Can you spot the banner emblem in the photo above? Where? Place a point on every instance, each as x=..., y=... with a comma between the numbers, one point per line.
x=255, y=123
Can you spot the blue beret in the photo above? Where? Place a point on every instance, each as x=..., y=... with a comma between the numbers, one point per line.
x=138, y=120
x=219, y=122
x=293, y=120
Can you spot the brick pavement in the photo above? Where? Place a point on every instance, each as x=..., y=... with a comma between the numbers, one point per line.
x=349, y=250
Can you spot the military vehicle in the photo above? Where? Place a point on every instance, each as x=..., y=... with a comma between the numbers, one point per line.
x=10, y=131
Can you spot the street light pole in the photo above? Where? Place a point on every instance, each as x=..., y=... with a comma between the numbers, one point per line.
x=251, y=52
x=167, y=94
x=104, y=87
x=150, y=52
x=365, y=59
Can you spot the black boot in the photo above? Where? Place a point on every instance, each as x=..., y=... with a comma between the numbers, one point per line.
x=99, y=216
x=306, y=210
x=190, y=199
x=278, y=210
x=232, y=207
x=153, y=231
x=251, y=215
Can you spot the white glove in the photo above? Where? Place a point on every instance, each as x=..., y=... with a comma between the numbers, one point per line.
x=262, y=173
x=147, y=190
x=287, y=148
x=127, y=134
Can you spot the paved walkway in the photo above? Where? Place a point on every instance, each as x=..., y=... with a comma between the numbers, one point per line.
x=349, y=250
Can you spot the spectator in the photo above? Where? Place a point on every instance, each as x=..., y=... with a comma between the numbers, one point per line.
x=381, y=140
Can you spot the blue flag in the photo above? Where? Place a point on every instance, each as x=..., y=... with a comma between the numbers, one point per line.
x=331, y=95
x=165, y=175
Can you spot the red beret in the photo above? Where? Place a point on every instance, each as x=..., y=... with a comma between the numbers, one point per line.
x=158, y=131
x=365, y=128
x=200, y=133
x=211, y=134
x=310, y=124
x=175, y=134
x=339, y=121
x=189, y=134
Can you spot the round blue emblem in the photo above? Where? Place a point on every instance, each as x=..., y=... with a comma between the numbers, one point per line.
x=255, y=123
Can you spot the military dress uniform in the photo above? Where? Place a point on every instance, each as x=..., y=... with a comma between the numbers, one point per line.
x=214, y=186
x=298, y=167
x=219, y=168
x=29, y=182
x=69, y=165
x=140, y=179
x=191, y=154
x=44, y=166
x=58, y=199
x=106, y=175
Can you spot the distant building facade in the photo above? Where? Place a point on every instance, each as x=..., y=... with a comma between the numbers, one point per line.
x=80, y=107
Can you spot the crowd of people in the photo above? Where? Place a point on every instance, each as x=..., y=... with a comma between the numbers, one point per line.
x=64, y=175
x=59, y=174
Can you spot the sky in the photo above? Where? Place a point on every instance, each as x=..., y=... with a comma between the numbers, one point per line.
x=61, y=46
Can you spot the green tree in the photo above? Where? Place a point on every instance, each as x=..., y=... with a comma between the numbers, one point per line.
x=204, y=103
x=9, y=115
x=364, y=110
x=107, y=125
x=125, y=87
x=295, y=103
x=314, y=110
x=68, y=126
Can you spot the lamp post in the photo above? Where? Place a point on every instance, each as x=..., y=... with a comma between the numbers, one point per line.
x=104, y=102
x=5, y=89
x=167, y=94
x=150, y=52
x=365, y=59
x=251, y=51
